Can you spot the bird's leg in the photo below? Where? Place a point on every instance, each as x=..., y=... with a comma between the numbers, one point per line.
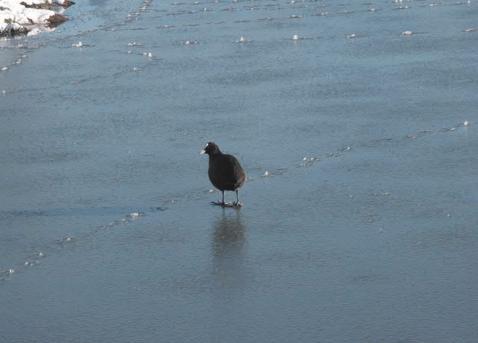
x=222, y=203
x=237, y=203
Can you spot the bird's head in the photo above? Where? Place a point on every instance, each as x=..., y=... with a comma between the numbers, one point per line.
x=211, y=149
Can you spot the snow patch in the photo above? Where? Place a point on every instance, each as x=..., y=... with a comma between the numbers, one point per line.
x=30, y=16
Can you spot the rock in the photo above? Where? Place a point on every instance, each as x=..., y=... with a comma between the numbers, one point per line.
x=47, y=4
x=56, y=20
x=12, y=29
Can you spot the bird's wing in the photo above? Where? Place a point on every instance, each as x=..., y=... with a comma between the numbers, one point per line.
x=235, y=170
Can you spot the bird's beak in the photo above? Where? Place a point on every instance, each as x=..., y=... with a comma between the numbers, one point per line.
x=203, y=152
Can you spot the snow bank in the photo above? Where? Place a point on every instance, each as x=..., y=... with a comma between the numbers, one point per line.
x=24, y=16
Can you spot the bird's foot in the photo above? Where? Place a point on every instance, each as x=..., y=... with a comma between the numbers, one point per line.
x=226, y=204
x=237, y=204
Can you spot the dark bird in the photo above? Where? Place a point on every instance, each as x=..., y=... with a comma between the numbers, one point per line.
x=225, y=172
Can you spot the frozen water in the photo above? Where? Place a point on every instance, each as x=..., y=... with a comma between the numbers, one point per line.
x=375, y=242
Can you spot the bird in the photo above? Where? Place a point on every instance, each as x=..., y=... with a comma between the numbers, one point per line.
x=225, y=172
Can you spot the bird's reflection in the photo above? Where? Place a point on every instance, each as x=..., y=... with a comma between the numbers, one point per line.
x=229, y=239
x=228, y=234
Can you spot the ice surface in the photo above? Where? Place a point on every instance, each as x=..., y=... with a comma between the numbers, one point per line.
x=371, y=238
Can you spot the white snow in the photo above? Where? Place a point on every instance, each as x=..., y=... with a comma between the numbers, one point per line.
x=15, y=17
